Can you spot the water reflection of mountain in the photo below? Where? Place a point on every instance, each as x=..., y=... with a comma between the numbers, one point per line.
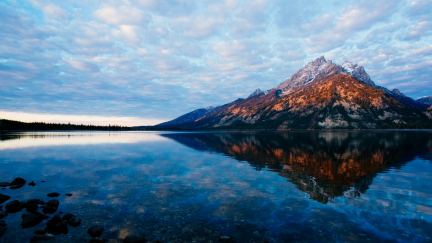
x=323, y=164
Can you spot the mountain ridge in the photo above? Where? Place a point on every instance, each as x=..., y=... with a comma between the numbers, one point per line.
x=321, y=95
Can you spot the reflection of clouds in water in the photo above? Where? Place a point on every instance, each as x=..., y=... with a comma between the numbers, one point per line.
x=38, y=139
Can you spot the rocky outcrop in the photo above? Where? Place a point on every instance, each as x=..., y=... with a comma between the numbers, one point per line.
x=321, y=95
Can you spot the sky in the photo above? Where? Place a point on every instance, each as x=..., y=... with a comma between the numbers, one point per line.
x=140, y=62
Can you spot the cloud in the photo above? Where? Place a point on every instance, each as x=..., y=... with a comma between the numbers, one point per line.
x=335, y=32
x=418, y=30
x=159, y=59
x=123, y=14
x=49, y=9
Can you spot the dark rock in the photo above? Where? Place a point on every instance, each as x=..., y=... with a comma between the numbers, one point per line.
x=134, y=239
x=56, y=225
x=14, y=206
x=53, y=194
x=41, y=238
x=51, y=206
x=3, y=198
x=4, y=184
x=68, y=194
x=32, y=183
x=32, y=205
x=43, y=181
x=96, y=241
x=226, y=239
x=39, y=232
x=71, y=219
x=32, y=219
x=3, y=227
x=3, y=214
x=95, y=231
x=17, y=183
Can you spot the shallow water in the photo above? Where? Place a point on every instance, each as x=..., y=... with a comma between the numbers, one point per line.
x=251, y=186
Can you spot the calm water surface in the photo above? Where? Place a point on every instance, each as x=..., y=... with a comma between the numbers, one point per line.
x=255, y=186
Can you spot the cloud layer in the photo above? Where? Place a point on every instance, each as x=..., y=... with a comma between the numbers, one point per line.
x=159, y=59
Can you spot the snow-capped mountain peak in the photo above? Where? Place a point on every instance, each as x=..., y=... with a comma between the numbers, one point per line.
x=357, y=72
x=257, y=92
x=322, y=68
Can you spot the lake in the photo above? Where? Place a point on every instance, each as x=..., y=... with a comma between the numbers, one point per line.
x=244, y=186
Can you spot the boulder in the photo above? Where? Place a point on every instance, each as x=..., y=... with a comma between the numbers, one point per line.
x=134, y=239
x=17, y=183
x=4, y=198
x=14, y=206
x=95, y=231
x=3, y=227
x=32, y=219
x=56, y=225
x=53, y=194
x=71, y=219
x=32, y=205
x=51, y=206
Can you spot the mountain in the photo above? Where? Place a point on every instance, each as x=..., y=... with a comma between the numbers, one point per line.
x=186, y=118
x=324, y=165
x=427, y=100
x=321, y=95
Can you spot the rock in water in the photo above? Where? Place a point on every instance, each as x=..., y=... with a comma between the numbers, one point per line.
x=51, y=206
x=3, y=198
x=71, y=219
x=32, y=205
x=226, y=239
x=31, y=219
x=32, y=183
x=14, y=206
x=3, y=214
x=134, y=239
x=17, y=183
x=68, y=194
x=96, y=240
x=56, y=225
x=95, y=231
x=4, y=184
x=3, y=227
x=41, y=238
x=53, y=194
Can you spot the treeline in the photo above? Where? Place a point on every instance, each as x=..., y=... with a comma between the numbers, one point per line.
x=9, y=125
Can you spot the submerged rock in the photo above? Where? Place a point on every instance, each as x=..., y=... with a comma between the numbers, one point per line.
x=4, y=198
x=96, y=241
x=53, y=194
x=3, y=214
x=95, y=231
x=56, y=225
x=4, y=184
x=32, y=219
x=32, y=183
x=68, y=194
x=134, y=239
x=41, y=238
x=51, y=206
x=71, y=219
x=226, y=239
x=17, y=183
x=14, y=206
x=3, y=227
x=32, y=205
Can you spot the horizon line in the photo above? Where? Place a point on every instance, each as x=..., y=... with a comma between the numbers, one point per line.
x=79, y=119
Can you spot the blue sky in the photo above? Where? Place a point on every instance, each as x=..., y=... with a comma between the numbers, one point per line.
x=152, y=60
